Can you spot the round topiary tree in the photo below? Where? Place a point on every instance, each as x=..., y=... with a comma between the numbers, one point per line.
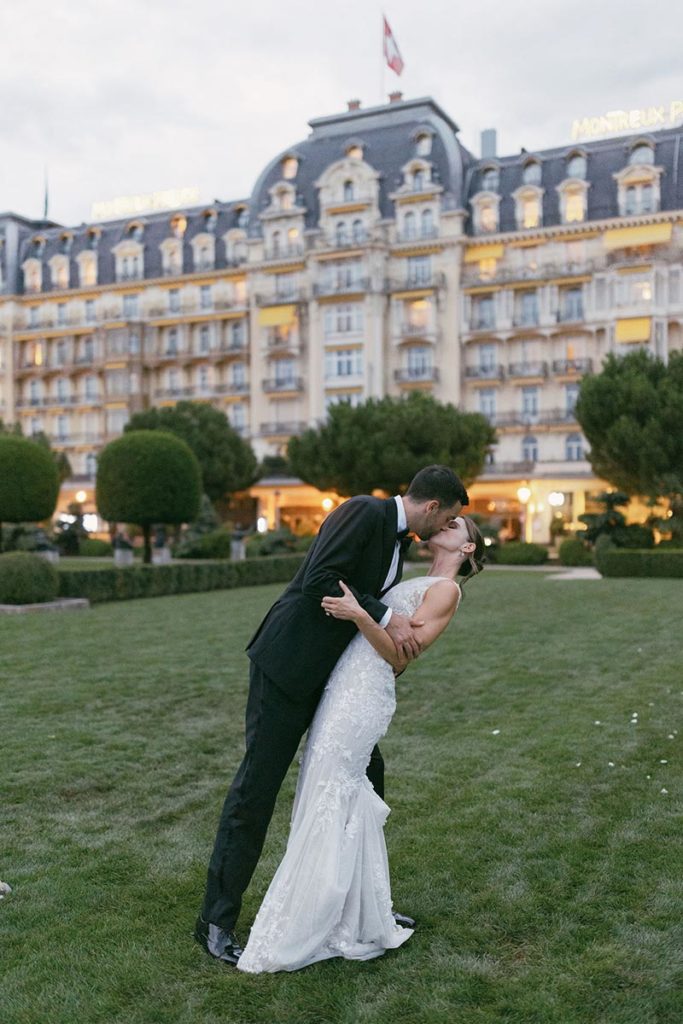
x=148, y=477
x=27, y=579
x=29, y=481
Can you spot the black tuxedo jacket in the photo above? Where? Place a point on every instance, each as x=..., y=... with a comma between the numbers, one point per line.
x=297, y=645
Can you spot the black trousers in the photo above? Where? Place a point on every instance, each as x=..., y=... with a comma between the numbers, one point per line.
x=274, y=726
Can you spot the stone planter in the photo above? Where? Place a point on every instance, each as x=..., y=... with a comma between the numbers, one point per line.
x=123, y=556
x=49, y=556
x=161, y=556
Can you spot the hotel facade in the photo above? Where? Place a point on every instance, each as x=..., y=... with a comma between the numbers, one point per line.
x=376, y=257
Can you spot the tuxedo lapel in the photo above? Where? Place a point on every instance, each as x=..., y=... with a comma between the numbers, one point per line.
x=388, y=539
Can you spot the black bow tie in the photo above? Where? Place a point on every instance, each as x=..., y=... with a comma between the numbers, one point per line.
x=402, y=534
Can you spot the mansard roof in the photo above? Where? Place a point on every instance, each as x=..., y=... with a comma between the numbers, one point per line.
x=604, y=159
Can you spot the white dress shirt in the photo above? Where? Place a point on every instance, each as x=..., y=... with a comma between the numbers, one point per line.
x=401, y=524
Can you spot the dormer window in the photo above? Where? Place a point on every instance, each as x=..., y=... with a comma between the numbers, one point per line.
x=531, y=175
x=418, y=180
x=528, y=206
x=285, y=199
x=65, y=242
x=490, y=179
x=135, y=231
x=93, y=238
x=349, y=192
x=423, y=144
x=573, y=200
x=290, y=167
x=178, y=226
x=485, y=209
x=355, y=151
x=641, y=154
x=576, y=166
x=241, y=217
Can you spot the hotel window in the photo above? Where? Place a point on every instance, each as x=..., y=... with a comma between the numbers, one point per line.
x=487, y=402
x=172, y=342
x=647, y=199
x=62, y=428
x=290, y=167
x=174, y=300
x=237, y=334
x=275, y=243
x=573, y=448
x=61, y=314
x=571, y=304
x=349, y=195
x=531, y=175
x=204, y=257
x=346, y=362
x=284, y=371
x=576, y=166
x=574, y=205
x=490, y=179
x=419, y=269
x=134, y=343
x=91, y=464
x=91, y=388
x=36, y=426
x=487, y=268
x=344, y=319
x=631, y=204
x=341, y=234
x=427, y=223
x=423, y=145
x=487, y=359
x=418, y=181
x=33, y=316
x=571, y=394
x=61, y=353
x=531, y=212
x=238, y=416
x=90, y=311
x=285, y=286
x=205, y=298
x=87, y=265
x=484, y=313
x=529, y=449
x=204, y=339
x=488, y=216
x=62, y=389
x=530, y=402
x=239, y=375
x=88, y=349
x=409, y=225
x=527, y=309
x=242, y=218
x=173, y=381
x=419, y=361
x=417, y=314
x=641, y=154
x=203, y=377
x=131, y=306
x=34, y=391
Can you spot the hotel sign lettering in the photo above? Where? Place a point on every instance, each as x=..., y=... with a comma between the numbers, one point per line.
x=616, y=121
x=126, y=206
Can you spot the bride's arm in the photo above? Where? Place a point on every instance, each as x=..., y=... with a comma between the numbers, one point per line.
x=435, y=612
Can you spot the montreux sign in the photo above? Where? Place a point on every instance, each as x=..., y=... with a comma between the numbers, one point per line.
x=616, y=121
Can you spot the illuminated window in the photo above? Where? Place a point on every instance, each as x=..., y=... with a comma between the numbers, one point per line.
x=487, y=268
x=355, y=152
x=488, y=217
x=531, y=175
x=641, y=154
x=290, y=167
x=178, y=225
x=293, y=237
x=531, y=212
x=574, y=206
x=424, y=144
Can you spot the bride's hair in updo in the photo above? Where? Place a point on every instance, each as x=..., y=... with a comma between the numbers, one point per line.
x=475, y=562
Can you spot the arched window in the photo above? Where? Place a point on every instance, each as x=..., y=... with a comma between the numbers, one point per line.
x=418, y=180
x=210, y=218
x=531, y=174
x=576, y=166
x=358, y=231
x=424, y=144
x=91, y=464
x=409, y=225
x=348, y=191
x=530, y=448
x=290, y=166
x=488, y=217
x=427, y=223
x=573, y=448
x=490, y=179
x=276, y=243
x=647, y=203
x=641, y=154
x=242, y=217
x=631, y=204
x=531, y=212
x=237, y=333
x=341, y=233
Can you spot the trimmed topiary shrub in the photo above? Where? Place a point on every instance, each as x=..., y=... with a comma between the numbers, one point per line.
x=574, y=552
x=630, y=562
x=634, y=536
x=208, y=545
x=27, y=579
x=29, y=481
x=93, y=547
x=602, y=545
x=515, y=553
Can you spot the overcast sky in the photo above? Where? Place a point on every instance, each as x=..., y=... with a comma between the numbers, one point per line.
x=129, y=96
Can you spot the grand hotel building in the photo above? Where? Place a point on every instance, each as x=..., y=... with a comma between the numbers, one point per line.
x=376, y=257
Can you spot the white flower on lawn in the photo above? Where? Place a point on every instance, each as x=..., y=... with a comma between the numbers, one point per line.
x=650, y=703
x=495, y=732
x=5, y=888
x=597, y=722
x=578, y=764
x=648, y=776
x=663, y=761
x=610, y=764
x=662, y=790
x=671, y=736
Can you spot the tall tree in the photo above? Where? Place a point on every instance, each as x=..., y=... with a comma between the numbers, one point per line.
x=29, y=482
x=632, y=416
x=148, y=477
x=384, y=442
x=227, y=462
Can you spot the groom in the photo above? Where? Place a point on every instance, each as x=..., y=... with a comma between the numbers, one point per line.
x=292, y=654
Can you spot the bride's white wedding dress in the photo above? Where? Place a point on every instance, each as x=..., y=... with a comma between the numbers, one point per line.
x=331, y=895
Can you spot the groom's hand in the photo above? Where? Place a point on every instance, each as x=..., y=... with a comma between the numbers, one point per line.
x=401, y=631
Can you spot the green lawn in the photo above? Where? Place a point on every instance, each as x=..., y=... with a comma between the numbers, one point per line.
x=547, y=883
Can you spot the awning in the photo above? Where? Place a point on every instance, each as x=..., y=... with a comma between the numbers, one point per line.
x=634, y=329
x=646, y=234
x=484, y=252
x=277, y=316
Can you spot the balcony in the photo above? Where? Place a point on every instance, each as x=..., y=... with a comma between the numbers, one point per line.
x=423, y=332
x=285, y=429
x=359, y=284
x=291, y=295
x=177, y=393
x=527, y=319
x=550, y=417
x=471, y=274
x=417, y=375
x=279, y=384
x=570, y=314
x=345, y=241
x=413, y=282
x=417, y=236
x=491, y=373
x=524, y=469
x=575, y=367
x=524, y=370
x=283, y=252
x=233, y=388
x=280, y=340
x=482, y=323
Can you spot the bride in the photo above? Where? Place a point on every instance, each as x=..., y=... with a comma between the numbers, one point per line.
x=331, y=896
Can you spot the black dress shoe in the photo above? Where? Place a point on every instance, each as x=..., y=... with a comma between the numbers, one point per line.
x=404, y=921
x=218, y=943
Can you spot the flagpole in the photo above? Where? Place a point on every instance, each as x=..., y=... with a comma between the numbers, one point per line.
x=381, y=65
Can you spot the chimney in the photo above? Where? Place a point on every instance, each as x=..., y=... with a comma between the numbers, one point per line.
x=395, y=97
x=354, y=104
x=489, y=143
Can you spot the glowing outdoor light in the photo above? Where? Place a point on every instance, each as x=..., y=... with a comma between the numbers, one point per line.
x=524, y=493
x=262, y=524
x=327, y=504
x=90, y=522
x=81, y=496
x=556, y=499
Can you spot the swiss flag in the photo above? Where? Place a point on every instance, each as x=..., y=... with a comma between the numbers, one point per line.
x=391, y=50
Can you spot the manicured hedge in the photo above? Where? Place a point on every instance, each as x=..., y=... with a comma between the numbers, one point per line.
x=515, y=553
x=26, y=578
x=574, y=552
x=630, y=562
x=121, y=583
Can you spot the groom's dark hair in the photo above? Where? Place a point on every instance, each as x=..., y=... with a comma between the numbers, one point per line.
x=438, y=482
